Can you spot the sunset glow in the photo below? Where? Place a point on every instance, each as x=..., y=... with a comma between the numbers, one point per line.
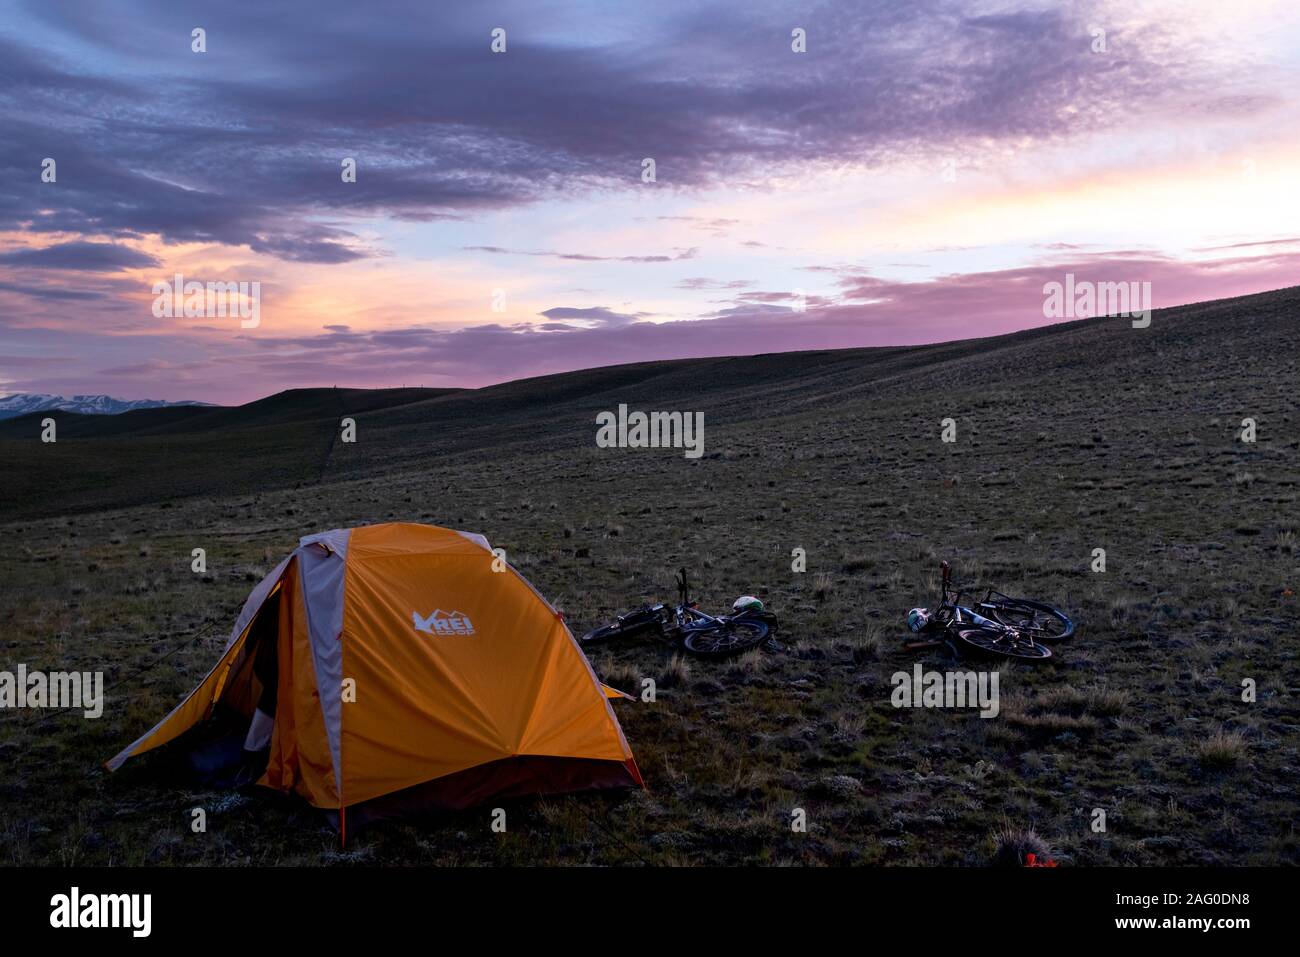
x=499, y=226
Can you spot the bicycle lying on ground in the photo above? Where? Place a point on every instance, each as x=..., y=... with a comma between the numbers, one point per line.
x=707, y=636
x=999, y=626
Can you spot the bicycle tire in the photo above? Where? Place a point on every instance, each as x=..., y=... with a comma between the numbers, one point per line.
x=987, y=642
x=1024, y=615
x=726, y=638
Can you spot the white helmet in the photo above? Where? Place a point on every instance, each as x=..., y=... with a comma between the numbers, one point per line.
x=918, y=619
x=746, y=603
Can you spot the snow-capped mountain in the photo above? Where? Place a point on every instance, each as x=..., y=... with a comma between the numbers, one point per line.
x=20, y=403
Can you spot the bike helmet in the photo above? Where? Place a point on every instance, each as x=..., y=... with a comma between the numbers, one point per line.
x=918, y=619
x=746, y=603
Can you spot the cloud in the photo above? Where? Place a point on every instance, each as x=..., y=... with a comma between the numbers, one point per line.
x=49, y=293
x=870, y=312
x=88, y=256
x=770, y=297
x=243, y=145
x=752, y=310
x=312, y=245
x=1250, y=245
x=717, y=225
x=677, y=256
x=596, y=315
x=701, y=283
x=206, y=159
x=25, y=361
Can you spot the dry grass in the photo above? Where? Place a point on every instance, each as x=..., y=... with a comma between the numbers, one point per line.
x=837, y=455
x=1010, y=846
x=1222, y=750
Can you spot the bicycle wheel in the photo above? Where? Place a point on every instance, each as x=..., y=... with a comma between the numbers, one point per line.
x=1043, y=623
x=989, y=642
x=724, y=638
x=633, y=624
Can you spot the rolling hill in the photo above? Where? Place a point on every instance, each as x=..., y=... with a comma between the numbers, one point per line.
x=288, y=439
x=1074, y=442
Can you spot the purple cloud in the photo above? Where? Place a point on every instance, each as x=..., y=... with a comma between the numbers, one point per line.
x=88, y=256
x=242, y=145
x=598, y=315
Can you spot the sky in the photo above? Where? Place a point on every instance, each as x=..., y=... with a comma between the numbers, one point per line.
x=915, y=173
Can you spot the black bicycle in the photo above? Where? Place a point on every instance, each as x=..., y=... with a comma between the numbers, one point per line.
x=708, y=636
x=999, y=626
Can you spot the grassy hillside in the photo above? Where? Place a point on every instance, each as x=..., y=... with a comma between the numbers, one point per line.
x=1072, y=438
x=153, y=455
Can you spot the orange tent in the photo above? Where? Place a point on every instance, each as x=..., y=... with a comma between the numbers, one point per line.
x=410, y=668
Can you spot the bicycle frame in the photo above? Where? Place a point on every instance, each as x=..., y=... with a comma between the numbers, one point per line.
x=951, y=610
x=698, y=632
x=682, y=615
x=688, y=615
x=651, y=610
x=961, y=623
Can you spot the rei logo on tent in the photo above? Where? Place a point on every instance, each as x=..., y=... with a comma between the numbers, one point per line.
x=445, y=623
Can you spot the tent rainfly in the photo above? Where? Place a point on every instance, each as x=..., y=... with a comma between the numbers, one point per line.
x=388, y=668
